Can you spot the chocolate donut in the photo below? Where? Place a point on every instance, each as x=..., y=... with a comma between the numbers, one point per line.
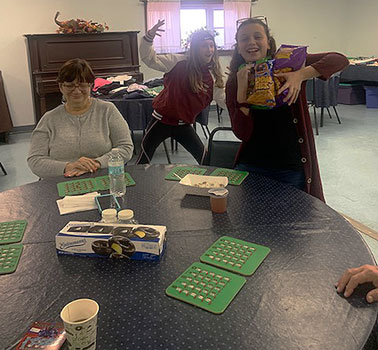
x=123, y=231
x=101, y=229
x=121, y=245
x=101, y=247
x=145, y=232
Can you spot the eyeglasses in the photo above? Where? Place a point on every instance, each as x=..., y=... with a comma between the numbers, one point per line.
x=241, y=20
x=72, y=86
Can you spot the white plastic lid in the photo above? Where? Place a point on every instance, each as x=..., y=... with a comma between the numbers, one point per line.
x=126, y=214
x=109, y=213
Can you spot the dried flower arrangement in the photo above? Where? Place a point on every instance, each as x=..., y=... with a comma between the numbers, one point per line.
x=74, y=26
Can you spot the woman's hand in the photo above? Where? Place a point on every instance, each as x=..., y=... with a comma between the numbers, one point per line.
x=156, y=28
x=242, y=78
x=359, y=275
x=89, y=164
x=293, y=81
x=81, y=166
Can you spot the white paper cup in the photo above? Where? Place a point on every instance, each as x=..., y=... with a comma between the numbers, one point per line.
x=80, y=323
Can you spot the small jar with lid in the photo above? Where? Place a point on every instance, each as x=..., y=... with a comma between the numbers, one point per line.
x=109, y=216
x=126, y=216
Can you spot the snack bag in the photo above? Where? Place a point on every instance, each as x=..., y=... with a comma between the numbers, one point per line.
x=261, y=93
x=288, y=58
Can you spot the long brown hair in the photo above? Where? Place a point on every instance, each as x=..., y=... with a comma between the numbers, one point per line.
x=195, y=65
x=237, y=59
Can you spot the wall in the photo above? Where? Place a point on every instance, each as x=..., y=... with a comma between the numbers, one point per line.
x=361, y=28
x=322, y=24
x=37, y=16
x=318, y=24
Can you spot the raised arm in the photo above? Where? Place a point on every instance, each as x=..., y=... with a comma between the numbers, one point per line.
x=161, y=62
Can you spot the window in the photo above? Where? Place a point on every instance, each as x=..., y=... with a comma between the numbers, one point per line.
x=194, y=15
x=185, y=16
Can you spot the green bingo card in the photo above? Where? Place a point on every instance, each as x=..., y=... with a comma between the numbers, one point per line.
x=12, y=231
x=181, y=171
x=235, y=255
x=103, y=182
x=9, y=257
x=206, y=287
x=81, y=186
x=235, y=177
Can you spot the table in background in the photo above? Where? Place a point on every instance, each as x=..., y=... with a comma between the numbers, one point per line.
x=360, y=73
x=289, y=303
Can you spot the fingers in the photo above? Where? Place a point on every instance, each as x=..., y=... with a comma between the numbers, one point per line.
x=292, y=96
x=356, y=276
x=74, y=172
x=344, y=279
x=89, y=164
x=283, y=88
x=372, y=296
x=153, y=31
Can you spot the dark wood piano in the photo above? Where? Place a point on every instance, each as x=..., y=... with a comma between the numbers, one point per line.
x=109, y=54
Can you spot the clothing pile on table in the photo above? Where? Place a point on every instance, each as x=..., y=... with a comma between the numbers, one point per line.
x=125, y=87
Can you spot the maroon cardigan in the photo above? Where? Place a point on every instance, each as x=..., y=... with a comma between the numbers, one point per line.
x=326, y=64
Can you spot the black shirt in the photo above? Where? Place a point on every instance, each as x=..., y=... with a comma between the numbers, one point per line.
x=274, y=140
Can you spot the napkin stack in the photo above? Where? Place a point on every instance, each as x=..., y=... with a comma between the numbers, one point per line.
x=73, y=204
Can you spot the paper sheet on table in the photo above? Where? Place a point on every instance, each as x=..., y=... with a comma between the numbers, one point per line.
x=73, y=204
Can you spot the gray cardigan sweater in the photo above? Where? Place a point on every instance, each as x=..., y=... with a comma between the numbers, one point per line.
x=60, y=138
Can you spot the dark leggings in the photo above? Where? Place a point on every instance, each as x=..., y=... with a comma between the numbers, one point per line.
x=157, y=132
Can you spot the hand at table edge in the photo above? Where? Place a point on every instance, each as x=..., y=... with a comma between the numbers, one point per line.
x=353, y=277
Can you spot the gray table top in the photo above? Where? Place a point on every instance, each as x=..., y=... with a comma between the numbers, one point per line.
x=289, y=303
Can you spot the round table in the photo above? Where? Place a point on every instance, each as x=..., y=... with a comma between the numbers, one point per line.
x=290, y=302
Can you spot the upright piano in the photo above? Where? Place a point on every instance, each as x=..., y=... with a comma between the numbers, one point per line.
x=109, y=54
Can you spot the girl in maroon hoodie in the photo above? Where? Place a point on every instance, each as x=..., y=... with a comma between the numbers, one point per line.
x=191, y=82
x=279, y=142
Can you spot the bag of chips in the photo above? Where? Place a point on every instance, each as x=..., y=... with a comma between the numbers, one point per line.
x=288, y=58
x=260, y=93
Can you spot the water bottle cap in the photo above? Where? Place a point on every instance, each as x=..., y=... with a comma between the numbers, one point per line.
x=109, y=213
x=126, y=214
x=114, y=151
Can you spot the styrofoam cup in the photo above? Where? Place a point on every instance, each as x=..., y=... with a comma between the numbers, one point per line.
x=80, y=323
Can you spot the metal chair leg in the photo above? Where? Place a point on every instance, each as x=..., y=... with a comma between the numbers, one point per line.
x=208, y=131
x=329, y=113
x=166, y=151
x=337, y=115
x=321, y=117
x=219, y=113
x=316, y=121
x=204, y=130
x=133, y=139
x=3, y=169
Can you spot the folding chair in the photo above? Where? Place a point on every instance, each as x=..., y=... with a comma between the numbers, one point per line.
x=222, y=153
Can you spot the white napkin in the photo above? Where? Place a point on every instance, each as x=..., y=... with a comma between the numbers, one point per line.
x=73, y=204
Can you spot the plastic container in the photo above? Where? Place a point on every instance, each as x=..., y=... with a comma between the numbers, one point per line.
x=116, y=168
x=109, y=216
x=371, y=96
x=218, y=200
x=351, y=94
x=126, y=217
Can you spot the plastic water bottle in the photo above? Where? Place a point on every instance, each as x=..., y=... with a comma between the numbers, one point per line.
x=116, y=169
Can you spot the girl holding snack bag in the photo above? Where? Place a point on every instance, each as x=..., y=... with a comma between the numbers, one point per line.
x=191, y=82
x=276, y=132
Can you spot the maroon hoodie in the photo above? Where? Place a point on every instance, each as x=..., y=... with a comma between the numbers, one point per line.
x=177, y=104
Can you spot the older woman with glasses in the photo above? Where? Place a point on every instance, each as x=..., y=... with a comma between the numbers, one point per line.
x=76, y=137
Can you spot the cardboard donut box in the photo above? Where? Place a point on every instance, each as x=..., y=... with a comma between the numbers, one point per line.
x=101, y=240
